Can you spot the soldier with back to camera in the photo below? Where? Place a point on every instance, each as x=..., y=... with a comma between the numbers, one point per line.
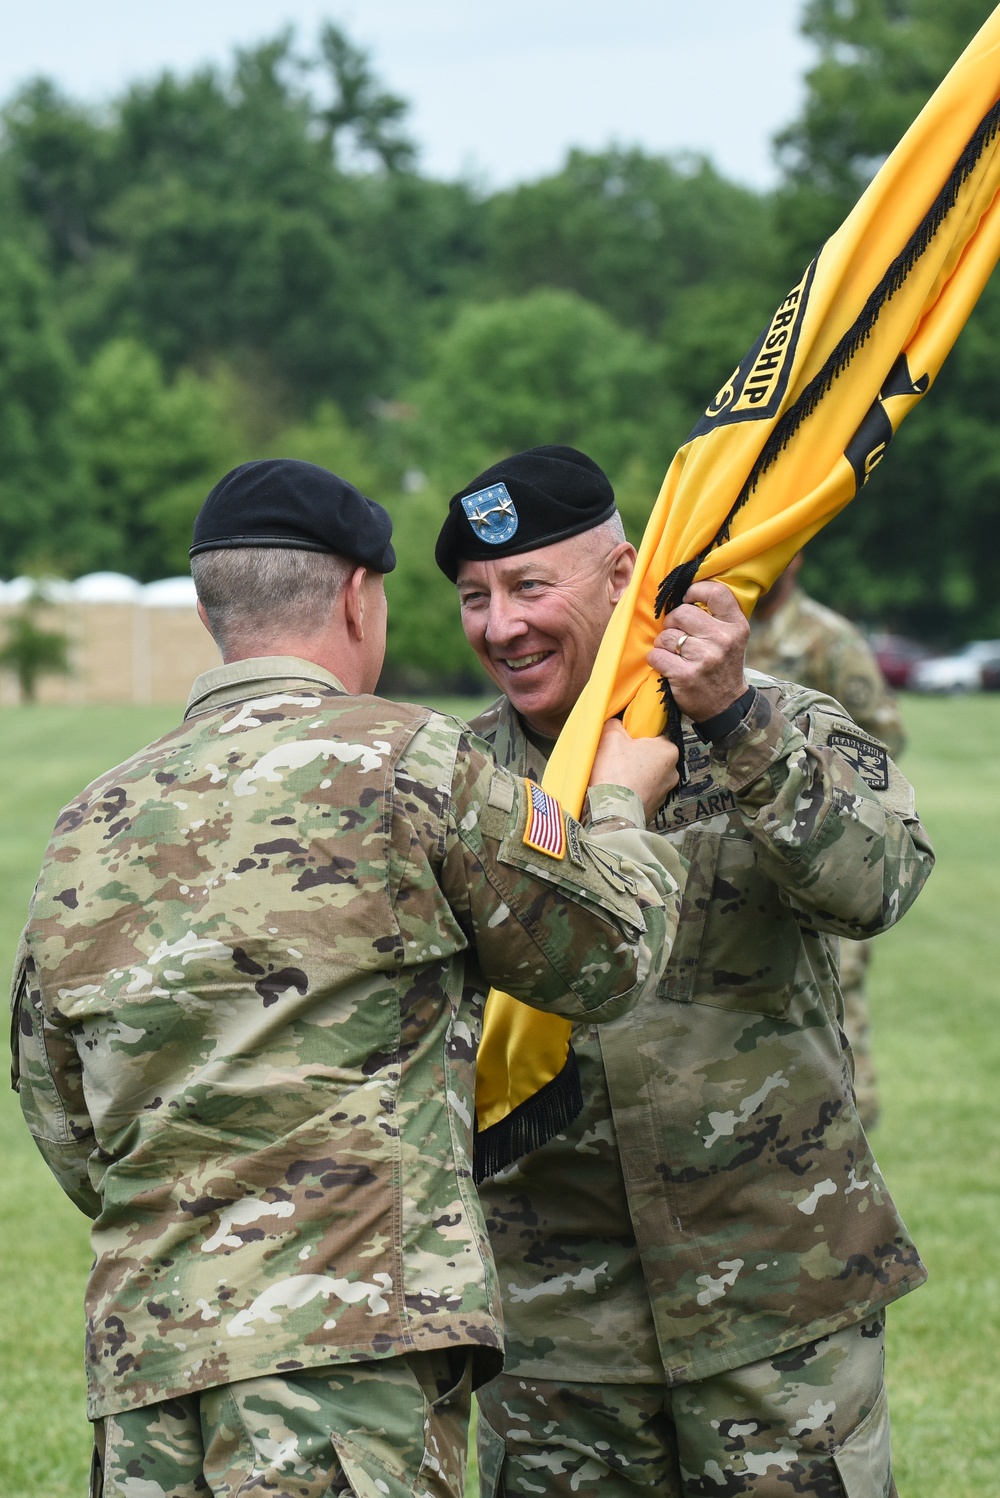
x=246, y=1011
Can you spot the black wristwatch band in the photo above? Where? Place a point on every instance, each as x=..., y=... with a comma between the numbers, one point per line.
x=716, y=728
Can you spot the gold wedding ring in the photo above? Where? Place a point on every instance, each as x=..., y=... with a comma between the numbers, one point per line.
x=680, y=642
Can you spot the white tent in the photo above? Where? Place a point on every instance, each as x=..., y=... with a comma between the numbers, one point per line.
x=170, y=593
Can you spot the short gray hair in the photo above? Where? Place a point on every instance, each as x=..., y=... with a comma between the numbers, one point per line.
x=612, y=530
x=260, y=593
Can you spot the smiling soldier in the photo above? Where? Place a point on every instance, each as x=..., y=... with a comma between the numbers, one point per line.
x=694, y=1275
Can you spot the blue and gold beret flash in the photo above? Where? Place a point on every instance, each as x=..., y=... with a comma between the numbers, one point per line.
x=523, y=502
x=282, y=502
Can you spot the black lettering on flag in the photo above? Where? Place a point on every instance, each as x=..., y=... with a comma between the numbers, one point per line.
x=758, y=385
x=764, y=363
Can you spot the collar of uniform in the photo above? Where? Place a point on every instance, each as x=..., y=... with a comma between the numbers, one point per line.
x=225, y=684
x=541, y=741
x=511, y=727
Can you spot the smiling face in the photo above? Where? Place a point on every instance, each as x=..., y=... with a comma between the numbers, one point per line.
x=536, y=620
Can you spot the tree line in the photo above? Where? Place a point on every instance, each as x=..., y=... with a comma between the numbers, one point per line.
x=248, y=261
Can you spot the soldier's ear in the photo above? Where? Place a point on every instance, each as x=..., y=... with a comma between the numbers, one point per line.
x=353, y=602
x=621, y=565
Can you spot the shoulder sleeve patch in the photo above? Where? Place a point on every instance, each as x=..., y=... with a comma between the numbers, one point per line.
x=545, y=827
x=870, y=759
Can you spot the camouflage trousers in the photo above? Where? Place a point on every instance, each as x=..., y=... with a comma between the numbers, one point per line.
x=812, y=1422
x=392, y=1428
x=855, y=959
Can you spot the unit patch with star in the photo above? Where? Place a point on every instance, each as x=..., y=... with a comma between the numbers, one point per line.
x=870, y=760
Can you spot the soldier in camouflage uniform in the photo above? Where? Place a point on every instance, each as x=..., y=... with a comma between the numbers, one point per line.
x=795, y=638
x=694, y=1275
x=246, y=1009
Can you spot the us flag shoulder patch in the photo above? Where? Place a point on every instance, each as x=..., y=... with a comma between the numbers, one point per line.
x=545, y=830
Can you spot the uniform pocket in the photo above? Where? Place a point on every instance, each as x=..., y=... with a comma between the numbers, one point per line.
x=864, y=1460
x=746, y=957
x=490, y=1451
x=367, y=1477
x=421, y=1450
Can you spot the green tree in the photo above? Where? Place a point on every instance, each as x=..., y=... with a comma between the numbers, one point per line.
x=241, y=234
x=60, y=157
x=632, y=233
x=37, y=467
x=328, y=439
x=546, y=367
x=360, y=105
x=267, y=214
x=30, y=650
x=149, y=451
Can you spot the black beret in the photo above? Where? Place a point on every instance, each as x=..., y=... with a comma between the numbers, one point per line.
x=529, y=500
x=281, y=502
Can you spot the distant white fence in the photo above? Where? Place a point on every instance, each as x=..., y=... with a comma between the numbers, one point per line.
x=128, y=641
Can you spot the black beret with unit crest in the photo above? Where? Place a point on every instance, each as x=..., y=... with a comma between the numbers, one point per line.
x=282, y=502
x=523, y=502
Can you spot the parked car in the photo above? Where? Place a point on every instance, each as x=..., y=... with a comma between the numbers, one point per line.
x=991, y=676
x=897, y=657
x=961, y=672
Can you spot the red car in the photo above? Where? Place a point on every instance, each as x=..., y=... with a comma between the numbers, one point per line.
x=897, y=657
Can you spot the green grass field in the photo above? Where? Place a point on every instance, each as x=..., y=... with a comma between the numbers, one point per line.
x=936, y=1004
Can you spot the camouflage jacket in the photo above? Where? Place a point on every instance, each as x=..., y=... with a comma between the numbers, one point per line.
x=246, y=1011
x=717, y=1201
x=810, y=644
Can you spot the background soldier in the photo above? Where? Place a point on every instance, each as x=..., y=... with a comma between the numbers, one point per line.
x=796, y=639
x=246, y=1008
x=695, y=1274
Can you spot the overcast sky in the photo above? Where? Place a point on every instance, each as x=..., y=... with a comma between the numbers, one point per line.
x=498, y=91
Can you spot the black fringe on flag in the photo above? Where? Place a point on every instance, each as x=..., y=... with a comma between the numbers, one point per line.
x=674, y=586
x=531, y=1124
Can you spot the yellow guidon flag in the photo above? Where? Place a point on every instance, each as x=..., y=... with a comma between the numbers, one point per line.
x=787, y=442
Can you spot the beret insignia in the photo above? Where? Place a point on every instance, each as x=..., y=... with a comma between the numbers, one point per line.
x=491, y=514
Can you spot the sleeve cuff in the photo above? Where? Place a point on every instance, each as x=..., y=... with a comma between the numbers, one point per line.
x=723, y=723
x=754, y=745
x=614, y=803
